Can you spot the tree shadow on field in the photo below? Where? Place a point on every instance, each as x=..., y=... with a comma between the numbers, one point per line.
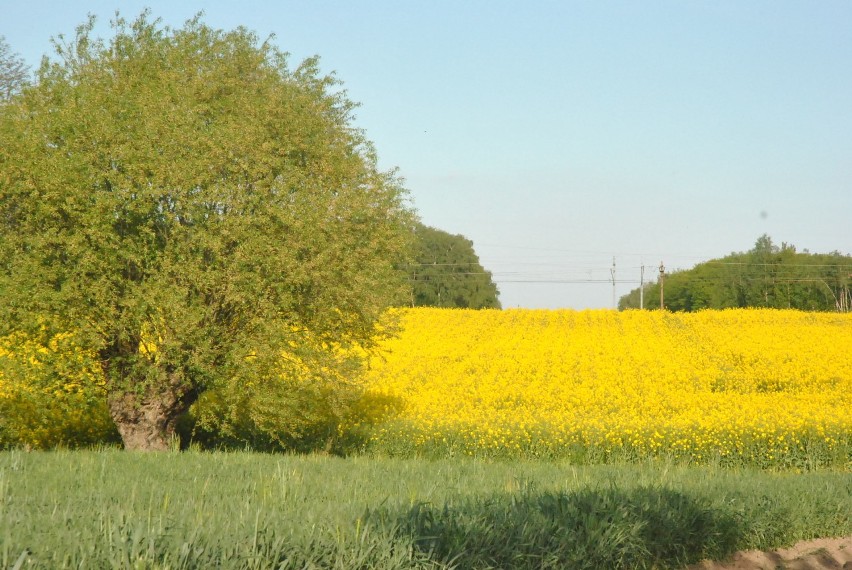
x=588, y=529
x=338, y=420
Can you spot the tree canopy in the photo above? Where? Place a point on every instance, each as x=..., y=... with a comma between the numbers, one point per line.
x=14, y=73
x=768, y=275
x=447, y=272
x=195, y=211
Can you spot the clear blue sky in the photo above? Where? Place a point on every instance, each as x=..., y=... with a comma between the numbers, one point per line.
x=558, y=135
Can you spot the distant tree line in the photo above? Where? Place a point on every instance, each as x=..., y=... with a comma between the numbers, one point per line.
x=446, y=272
x=768, y=275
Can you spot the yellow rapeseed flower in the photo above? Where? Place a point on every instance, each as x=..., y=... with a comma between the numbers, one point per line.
x=729, y=384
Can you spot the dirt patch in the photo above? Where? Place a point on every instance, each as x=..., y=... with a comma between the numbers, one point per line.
x=818, y=554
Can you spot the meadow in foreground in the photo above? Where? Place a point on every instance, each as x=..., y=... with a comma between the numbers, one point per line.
x=110, y=509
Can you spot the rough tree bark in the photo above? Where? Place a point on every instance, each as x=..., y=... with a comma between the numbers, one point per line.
x=145, y=414
x=147, y=422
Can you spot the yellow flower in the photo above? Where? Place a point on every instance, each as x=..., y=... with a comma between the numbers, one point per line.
x=713, y=383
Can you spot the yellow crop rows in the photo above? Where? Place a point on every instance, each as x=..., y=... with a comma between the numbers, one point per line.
x=745, y=387
x=762, y=387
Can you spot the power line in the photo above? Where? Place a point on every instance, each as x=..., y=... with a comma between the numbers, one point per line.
x=533, y=279
x=748, y=263
x=721, y=279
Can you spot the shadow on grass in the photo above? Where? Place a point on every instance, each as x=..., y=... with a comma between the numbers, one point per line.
x=589, y=529
x=300, y=420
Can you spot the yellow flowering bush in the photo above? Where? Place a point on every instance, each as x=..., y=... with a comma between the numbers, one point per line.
x=758, y=387
x=51, y=393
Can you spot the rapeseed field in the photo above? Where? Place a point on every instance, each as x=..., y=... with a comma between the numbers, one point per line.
x=769, y=388
x=764, y=388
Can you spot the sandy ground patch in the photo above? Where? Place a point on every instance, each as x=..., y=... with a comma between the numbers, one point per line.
x=819, y=554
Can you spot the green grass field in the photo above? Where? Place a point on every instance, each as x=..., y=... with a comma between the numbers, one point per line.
x=111, y=509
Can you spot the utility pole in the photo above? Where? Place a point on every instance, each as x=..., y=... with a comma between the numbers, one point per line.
x=662, y=285
x=612, y=272
x=641, y=286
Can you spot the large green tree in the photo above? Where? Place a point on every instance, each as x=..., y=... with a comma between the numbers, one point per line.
x=447, y=273
x=195, y=211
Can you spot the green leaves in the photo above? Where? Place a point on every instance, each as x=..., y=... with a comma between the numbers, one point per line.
x=14, y=73
x=766, y=276
x=186, y=183
x=446, y=273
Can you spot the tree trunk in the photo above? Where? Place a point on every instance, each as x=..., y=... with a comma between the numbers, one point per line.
x=147, y=422
x=145, y=414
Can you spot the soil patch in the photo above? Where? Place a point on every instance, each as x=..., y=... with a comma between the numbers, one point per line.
x=818, y=554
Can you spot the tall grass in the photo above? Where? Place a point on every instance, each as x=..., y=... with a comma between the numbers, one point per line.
x=108, y=509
